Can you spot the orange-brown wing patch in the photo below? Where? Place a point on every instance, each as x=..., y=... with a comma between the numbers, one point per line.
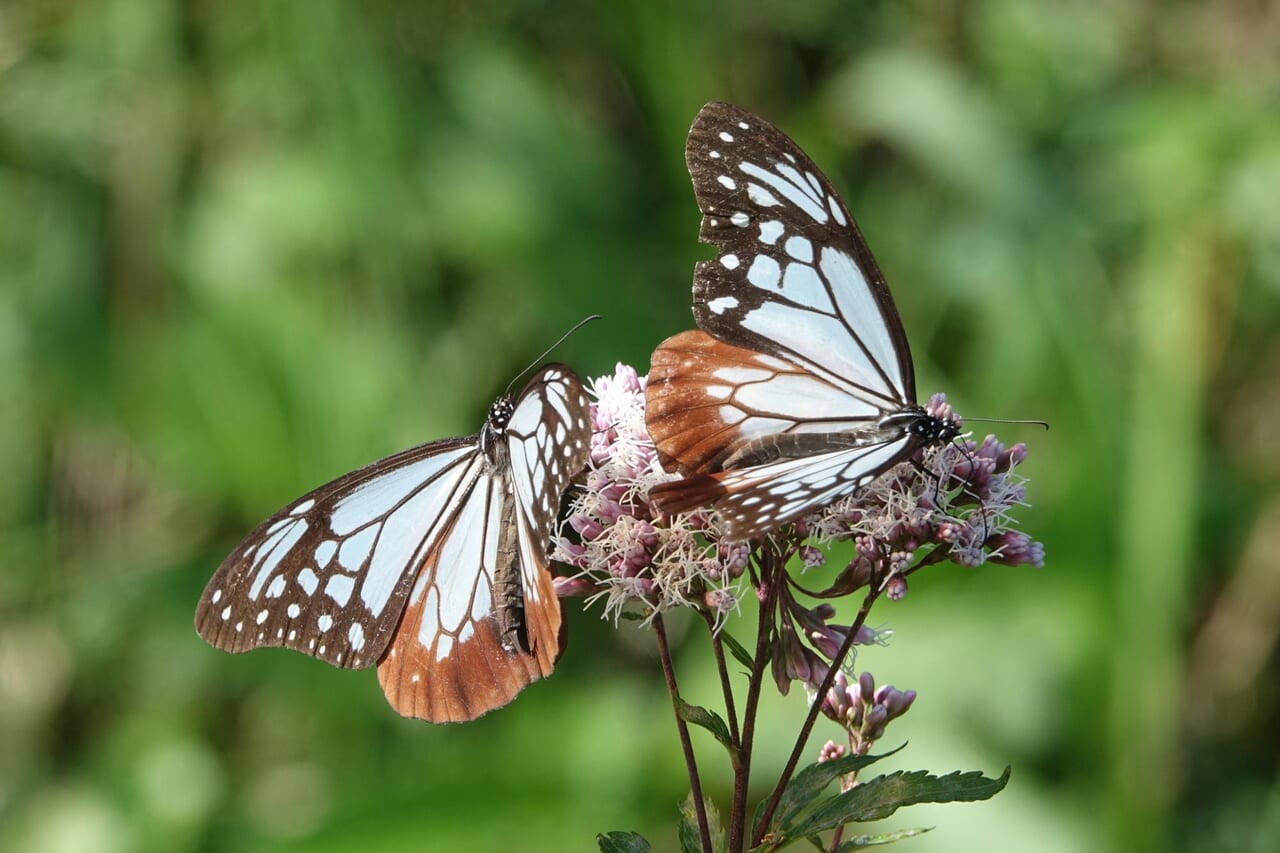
x=448, y=661
x=688, y=408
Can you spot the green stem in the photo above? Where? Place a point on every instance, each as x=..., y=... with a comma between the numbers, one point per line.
x=695, y=784
x=873, y=592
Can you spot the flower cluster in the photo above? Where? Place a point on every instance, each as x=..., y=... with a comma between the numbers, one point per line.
x=624, y=549
x=862, y=710
x=809, y=661
x=951, y=503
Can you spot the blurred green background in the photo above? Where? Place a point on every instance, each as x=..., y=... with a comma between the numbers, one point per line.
x=248, y=246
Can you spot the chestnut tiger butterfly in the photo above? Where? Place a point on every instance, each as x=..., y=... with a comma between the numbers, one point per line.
x=431, y=563
x=797, y=388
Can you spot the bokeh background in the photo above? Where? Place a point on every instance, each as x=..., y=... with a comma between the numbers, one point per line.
x=247, y=246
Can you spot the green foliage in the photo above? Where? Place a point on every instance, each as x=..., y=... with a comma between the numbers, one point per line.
x=622, y=842
x=690, y=839
x=246, y=247
x=709, y=720
x=804, y=813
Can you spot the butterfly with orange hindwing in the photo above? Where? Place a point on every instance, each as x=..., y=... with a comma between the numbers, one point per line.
x=431, y=563
x=798, y=388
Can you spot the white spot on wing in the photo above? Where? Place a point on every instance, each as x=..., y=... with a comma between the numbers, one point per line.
x=294, y=610
x=729, y=262
x=339, y=588
x=726, y=136
x=800, y=248
x=324, y=623
x=722, y=304
x=727, y=182
x=740, y=219
x=262, y=617
x=276, y=586
x=761, y=196
x=303, y=507
x=325, y=551
x=356, y=636
x=770, y=231
x=308, y=581
x=764, y=272
x=355, y=551
x=217, y=596
x=836, y=212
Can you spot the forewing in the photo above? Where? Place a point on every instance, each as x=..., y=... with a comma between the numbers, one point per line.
x=549, y=439
x=329, y=574
x=706, y=400
x=793, y=277
x=752, y=501
x=448, y=661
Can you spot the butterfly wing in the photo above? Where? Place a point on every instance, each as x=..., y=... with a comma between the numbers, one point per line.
x=328, y=575
x=549, y=441
x=472, y=639
x=753, y=500
x=707, y=402
x=775, y=408
x=448, y=661
x=793, y=277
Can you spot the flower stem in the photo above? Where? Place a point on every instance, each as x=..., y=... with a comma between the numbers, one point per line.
x=771, y=576
x=873, y=592
x=725, y=685
x=695, y=784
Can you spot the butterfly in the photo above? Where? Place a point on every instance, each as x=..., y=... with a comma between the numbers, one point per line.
x=431, y=563
x=797, y=389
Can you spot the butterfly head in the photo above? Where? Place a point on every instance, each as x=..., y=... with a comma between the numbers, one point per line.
x=500, y=414
x=933, y=429
x=495, y=427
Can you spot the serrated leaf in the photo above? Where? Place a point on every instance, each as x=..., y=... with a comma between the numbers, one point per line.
x=690, y=838
x=862, y=841
x=880, y=797
x=806, y=785
x=709, y=720
x=622, y=842
x=737, y=650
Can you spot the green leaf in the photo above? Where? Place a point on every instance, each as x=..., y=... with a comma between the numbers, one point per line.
x=809, y=782
x=709, y=720
x=884, y=795
x=690, y=838
x=737, y=650
x=622, y=842
x=876, y=840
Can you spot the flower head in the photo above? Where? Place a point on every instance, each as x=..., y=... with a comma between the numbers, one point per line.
x=953, y=502
x=624, y=549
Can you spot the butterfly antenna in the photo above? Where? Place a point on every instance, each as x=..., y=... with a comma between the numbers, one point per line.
x=1044, y=424
x=576, y=326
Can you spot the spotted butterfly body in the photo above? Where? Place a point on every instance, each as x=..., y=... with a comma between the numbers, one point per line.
x=798, y=387
x=431, y=563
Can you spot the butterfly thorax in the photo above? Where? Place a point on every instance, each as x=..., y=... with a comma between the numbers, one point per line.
x=928, y=429
x=495, y=428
